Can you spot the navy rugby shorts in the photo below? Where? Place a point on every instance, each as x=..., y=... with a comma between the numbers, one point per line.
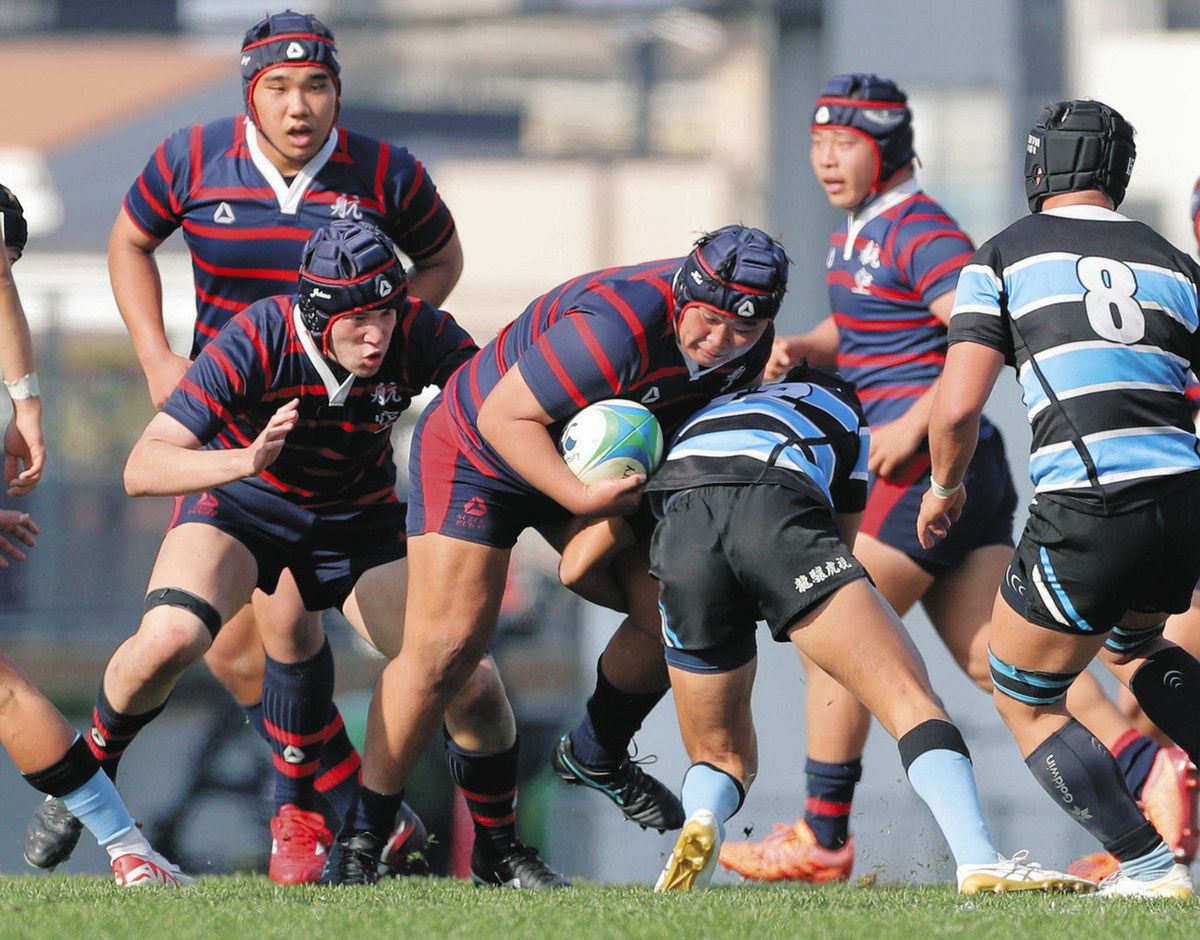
x=987, y=519
x=327, y=552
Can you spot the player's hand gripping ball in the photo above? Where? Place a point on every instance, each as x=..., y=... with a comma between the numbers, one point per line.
x=611, y=439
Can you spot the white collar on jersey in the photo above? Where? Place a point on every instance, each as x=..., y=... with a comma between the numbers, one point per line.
x=289, y=197
x=875, y=208
x=338, y=393
x=1087, y=213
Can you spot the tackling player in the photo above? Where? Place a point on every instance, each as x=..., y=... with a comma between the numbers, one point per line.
x=247, y=191
x=50, y=754
x=330, y=369
x=759, y=499
x=1098, y=314
x=892, y=271
x=671, y=334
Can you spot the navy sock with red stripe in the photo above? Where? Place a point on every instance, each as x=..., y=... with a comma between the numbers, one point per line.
x=830, y=793
x=1135, y=754
x=488, y=782
x=297, y=702
x=374, y=813
x=340, y=770
x=112, y=731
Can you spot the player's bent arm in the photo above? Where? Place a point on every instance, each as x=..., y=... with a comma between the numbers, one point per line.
x=962, y=391
x=515, y=424
x=137, y=288
x=167, y=459
x=434, y=277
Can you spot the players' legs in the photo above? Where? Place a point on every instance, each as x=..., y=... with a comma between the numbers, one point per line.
x=236, y=658
x=1184, y=630
x=1032, y=667
x=837, y=722
x=177, y=628
x=892, y=683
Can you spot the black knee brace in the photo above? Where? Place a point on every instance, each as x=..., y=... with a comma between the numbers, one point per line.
x=1123, y=641
x=177, y=597
x=1167, y=686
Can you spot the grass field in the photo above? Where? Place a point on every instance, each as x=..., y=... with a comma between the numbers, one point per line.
x=249, y=906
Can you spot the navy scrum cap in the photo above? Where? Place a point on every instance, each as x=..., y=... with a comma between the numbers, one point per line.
x=737, y=270
x=1077, y=145
x=347, y=267
x=286, y=39
x=874, y=108
x=12, y=220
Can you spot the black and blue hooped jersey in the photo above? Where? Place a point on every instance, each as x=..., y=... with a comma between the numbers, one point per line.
x=245, y=225
x=803, y=435
x=1098, y=314
x=339, y=454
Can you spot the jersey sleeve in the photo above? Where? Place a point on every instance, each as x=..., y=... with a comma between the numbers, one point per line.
x=231, y=371
x=930, y=254
x=419, y=222
x=583, y=358
x=437, y=345
x=155, y=200
x=980, y=312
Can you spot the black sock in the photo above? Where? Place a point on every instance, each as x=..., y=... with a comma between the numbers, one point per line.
x=488, y=782
x=374, y=813
x=112, y=731
x=1083, y=778
x=1135, y=755
x=67, y=774
x=1167, y=686
x=296, y=703
x=601, y=740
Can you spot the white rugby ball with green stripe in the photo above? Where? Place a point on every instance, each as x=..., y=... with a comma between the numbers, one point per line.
x=611, y=439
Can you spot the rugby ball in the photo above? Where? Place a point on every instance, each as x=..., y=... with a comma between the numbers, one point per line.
x=611, y=439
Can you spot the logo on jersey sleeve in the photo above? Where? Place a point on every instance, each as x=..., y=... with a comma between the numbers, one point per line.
x=224, y=214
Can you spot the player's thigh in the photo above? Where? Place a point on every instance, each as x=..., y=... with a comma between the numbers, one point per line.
x=900, y=580
x=632, y=570
x=375, y=607
x=714, y=713
x=282, y=613
x=959, y=604
x=455, y=588
x=208, y=562
x=855, y=636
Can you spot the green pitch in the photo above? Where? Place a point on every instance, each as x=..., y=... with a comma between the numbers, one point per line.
x=249, y=906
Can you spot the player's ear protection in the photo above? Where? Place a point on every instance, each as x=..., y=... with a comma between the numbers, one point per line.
x=1077, y=145
x=185, y=600
x=347, y=267
x=739, y=271
x=875, y=109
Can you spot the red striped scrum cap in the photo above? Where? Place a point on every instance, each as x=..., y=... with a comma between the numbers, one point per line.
x=347, y=267
x=737, y=270
x=874, y=108
x=286, y=39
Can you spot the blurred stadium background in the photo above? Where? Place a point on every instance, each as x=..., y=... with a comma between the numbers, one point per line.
x=565, y=135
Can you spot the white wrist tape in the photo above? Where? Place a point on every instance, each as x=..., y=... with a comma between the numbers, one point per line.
x=24, y=387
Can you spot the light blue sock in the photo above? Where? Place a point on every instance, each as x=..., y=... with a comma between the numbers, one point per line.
x=945, y=780
x=1154, y=864
x=99, y=807
x=705, y=787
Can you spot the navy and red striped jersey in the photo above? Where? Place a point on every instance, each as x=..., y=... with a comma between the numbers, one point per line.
x=607, y=334
x=340, y=452
x=886, y=265
x=246, y=226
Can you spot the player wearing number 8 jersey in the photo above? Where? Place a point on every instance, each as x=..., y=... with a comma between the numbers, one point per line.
x=1098, y=314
